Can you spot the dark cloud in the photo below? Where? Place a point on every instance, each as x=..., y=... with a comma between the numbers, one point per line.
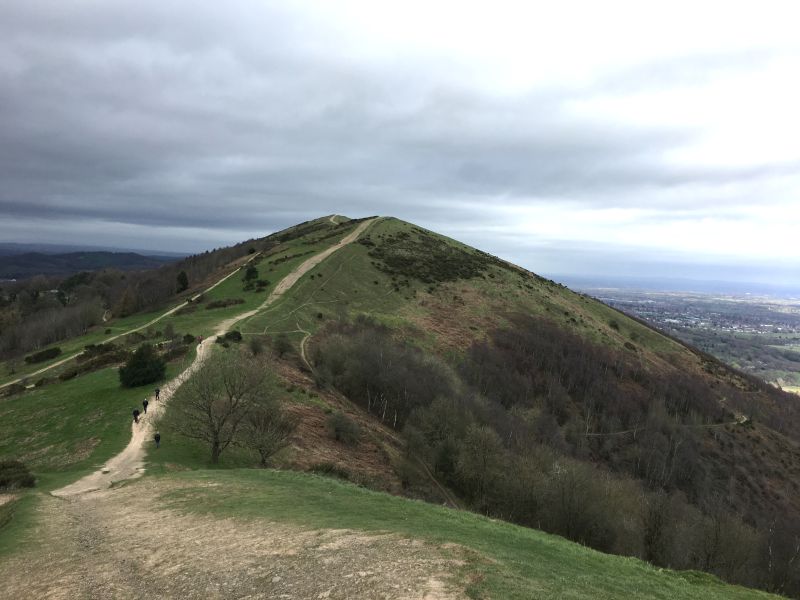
x=232, y=120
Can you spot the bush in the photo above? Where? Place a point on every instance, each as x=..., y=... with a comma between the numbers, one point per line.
x=93, y=350
x=282, y=345
x=13, y=389
x=344, y=429
x=224, y=303
x=176, y=352
x=256, y=345
x=328, y=469
x=182, y=282
x=188, y=338
x=145, y=366
x=187, y=310
x=233, y=336
x=251, y=273
x=14, y=474
x=43, y=355
x=134, y=338
x=67, y=375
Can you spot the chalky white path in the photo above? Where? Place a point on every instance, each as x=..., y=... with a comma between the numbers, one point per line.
x=129, y=463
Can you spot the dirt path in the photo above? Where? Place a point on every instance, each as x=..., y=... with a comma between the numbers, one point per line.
x=124, y=543
x=129, y=463
x=128, y=332
x=95, y=541
x=303, y=342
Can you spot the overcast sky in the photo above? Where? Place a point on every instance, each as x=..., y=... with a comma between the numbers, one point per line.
x=570, y=137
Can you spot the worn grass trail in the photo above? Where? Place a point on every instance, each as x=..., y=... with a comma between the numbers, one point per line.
x=129, y=463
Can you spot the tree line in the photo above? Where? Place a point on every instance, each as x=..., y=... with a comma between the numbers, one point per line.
x=44, y=310
x=518, y=427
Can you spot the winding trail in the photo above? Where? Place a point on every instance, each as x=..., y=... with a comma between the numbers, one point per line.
x=129, y=463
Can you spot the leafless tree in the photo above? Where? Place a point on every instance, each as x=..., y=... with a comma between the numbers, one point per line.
x=267, y=429
x=214, y=404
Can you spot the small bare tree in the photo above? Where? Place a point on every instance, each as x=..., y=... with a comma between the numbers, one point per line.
x=216, y=401
x=267, y=429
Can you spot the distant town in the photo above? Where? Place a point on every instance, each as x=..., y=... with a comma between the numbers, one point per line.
x=758, y=334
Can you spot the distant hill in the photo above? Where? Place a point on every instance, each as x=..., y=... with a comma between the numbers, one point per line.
x=30, y=264
x=11, y=248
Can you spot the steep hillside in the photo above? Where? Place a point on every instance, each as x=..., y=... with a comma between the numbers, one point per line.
x=462, y=350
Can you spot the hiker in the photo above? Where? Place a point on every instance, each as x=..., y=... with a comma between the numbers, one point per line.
x=158, y=392
x=135, y=415
x=157, y=438
x=200, y=338
x=145, y=403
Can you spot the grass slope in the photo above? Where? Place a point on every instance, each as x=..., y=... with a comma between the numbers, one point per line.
x=65, y=429
x=503, y=560
x=442, y=315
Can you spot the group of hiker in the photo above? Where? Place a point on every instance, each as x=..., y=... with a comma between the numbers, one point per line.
x=145, y=404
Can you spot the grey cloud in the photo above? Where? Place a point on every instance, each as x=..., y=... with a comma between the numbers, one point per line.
x=209, y=117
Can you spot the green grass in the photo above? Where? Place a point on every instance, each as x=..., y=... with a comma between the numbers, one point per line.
x=342, y=285
x=74, y=425
x=506, y=561
x=15, y=518
x=204, y=321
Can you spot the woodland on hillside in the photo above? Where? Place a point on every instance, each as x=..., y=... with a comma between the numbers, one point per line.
x=45, y=310
x=541, y=427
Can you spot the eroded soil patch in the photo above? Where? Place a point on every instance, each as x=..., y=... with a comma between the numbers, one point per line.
x=120, y=544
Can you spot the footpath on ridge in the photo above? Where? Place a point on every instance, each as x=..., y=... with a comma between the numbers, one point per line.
x=130, y=462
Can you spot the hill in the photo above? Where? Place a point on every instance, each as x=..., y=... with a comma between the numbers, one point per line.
x=415, y=365
x=9, y=248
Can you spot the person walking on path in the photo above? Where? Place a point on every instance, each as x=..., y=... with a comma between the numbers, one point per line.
x=158, y=392
x=157, y=438
x=144, y=404
x=135, y=415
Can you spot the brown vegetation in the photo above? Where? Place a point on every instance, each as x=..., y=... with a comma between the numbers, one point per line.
x=544, y=428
